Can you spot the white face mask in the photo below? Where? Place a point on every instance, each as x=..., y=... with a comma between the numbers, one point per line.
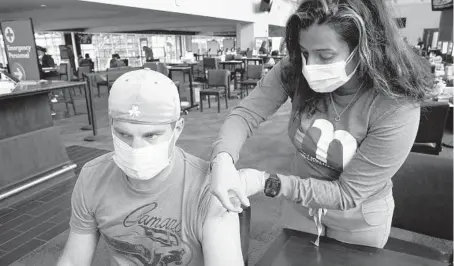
x=142, y=163
x=327, y=78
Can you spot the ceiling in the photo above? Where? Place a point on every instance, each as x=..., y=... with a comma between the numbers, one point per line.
x=67, y=15
x=80, y=16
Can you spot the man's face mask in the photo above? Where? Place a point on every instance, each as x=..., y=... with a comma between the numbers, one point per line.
x=145, y=162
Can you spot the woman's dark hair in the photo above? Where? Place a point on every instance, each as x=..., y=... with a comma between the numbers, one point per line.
x=386, y=62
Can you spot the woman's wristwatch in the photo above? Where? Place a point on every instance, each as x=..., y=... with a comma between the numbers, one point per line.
x=272, y=186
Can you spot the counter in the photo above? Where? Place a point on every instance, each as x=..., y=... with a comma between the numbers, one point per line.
x=30, y=145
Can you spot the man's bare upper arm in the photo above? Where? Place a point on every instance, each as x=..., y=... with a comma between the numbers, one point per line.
x=79, y=249
x=221, y=241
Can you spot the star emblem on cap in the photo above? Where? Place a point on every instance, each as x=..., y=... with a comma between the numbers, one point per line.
x=134, y=111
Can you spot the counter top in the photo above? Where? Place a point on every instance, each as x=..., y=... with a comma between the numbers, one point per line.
x=30, y=89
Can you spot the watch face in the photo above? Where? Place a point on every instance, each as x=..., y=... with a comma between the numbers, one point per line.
x=272, y=186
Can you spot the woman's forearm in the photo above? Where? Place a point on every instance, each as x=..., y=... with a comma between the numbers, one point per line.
x=314, y=193
x=245, y=119
x=232, y=136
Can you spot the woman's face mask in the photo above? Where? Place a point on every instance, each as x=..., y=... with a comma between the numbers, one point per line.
x=145, y=162
x=327, y=78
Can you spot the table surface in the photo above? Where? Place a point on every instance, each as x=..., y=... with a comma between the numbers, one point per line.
x=180, y=63
x=231, y=62
x=46, y=69
x=252, y=58
x=295, y=248
x=28, y=89
x=179, y=68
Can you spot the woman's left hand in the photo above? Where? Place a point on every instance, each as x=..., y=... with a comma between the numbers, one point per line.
x=253, y=180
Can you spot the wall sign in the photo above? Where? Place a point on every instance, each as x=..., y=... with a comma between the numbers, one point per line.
x=21, y=49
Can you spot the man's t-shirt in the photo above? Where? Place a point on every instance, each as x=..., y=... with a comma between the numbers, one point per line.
x=160, y=226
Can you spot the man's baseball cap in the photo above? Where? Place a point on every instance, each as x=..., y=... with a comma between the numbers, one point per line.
x=144, y=96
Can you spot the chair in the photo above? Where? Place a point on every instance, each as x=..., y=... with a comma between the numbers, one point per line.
x=63, y=71
x=116, y=73
x=253, y=75
x=229, y=57
x=245, y=229
x=157, y=66
x=216, y=78
x=83, y=70
x=209, y=63
x=431, y=128
x=423, y=199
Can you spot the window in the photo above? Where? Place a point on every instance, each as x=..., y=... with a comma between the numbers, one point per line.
x=50, y=41
x=128, y=46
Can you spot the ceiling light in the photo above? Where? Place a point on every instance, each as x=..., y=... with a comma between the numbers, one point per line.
x=43, y=5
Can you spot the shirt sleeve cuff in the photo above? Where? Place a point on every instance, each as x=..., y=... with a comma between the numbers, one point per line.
x=287, y=187
x=224, y=147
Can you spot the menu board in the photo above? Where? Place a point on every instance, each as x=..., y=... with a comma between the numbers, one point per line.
x=438, y=5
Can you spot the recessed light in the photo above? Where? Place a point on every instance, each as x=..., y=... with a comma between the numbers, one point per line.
x=43, y=5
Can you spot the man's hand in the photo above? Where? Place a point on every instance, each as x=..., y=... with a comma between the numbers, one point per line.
x=225, y=180
x=253, y=180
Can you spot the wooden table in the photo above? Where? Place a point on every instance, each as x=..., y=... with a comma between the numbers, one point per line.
x=295, y=248
x=31, y=151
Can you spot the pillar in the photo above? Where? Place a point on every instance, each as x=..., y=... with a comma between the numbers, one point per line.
x=247, y=32
x=445, y=27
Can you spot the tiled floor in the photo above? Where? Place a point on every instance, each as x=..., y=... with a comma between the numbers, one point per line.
x=29, y=224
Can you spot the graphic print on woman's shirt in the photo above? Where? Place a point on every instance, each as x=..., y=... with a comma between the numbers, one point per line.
x=149, y=239
x=320, y=143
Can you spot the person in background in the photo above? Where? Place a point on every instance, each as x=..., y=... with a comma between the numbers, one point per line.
x=263, y=48
x=79, y=59
x=354, y=118
x=149, y=199
x=148, y=54
x=282, y=47
x=420, y=44
x=116, y=61
x=46, y=61
x=86, y=61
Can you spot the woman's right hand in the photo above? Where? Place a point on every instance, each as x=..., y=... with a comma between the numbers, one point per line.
x=226, y=181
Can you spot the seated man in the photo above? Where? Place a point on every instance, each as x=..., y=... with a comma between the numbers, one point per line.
x=149, y=199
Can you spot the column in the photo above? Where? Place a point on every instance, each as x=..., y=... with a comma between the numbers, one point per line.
x=445, y=26
x=247, y=32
